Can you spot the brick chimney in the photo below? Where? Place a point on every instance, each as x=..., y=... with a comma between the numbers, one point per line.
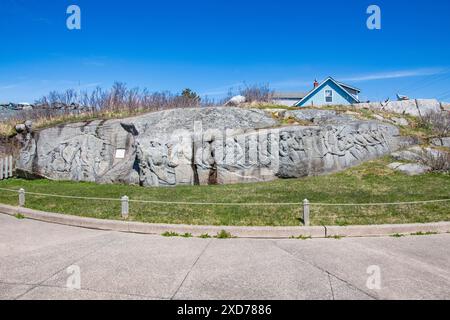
x=316, y=84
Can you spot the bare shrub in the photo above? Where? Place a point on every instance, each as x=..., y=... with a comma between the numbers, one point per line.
x=257, y=93
x=119, y=101
x=8, y=146
x=208, y=102
x=437, y=122
x=438, y=161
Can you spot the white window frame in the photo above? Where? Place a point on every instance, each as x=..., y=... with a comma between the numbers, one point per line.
x=331, y=95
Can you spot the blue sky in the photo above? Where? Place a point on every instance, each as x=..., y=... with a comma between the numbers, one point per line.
x=213, y=45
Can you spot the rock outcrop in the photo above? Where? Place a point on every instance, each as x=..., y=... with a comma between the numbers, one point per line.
x=236, y=101
x=319, y=117
x=202, y=146
x=410, y=169
x=441, y=142
x=417, y=107
x=418, y=160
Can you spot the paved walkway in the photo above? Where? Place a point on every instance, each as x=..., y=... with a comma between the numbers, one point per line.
x=34, y=257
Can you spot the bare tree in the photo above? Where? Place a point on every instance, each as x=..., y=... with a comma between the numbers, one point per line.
x=257, y=93
x=120, y=100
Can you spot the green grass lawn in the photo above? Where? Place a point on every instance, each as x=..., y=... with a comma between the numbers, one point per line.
x=371, y=182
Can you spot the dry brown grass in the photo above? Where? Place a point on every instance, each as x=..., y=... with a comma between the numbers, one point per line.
x=7, y=128
x=117, y=102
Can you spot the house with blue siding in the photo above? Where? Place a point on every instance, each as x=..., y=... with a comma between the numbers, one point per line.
x=329, y=92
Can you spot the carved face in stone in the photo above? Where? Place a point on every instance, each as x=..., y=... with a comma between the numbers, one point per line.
x=284, y=136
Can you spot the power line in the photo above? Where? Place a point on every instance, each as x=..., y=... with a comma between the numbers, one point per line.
x=446, y=93
x=444, y=97
x=419, y=84
x=433, y=82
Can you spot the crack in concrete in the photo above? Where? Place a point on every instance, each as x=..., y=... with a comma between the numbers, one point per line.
x=192, y=267
x=408, y=260
x=82, y=289
x=330, y=274
x=331, y=286
x=41, y=283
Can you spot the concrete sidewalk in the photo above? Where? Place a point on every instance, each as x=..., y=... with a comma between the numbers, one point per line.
x=34, y=257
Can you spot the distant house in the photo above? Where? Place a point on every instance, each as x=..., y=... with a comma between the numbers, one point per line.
x=329, y=92
x=287, y=98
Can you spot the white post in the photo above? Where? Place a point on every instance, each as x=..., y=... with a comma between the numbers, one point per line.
x=125, y=207
x=6, y=168
x=1, y=169
x=11, y=166
x=21, y=197
x=306, y=212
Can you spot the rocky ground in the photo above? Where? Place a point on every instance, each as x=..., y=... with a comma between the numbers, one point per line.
x=419, y=160
x=422, y=156
x=285, y=142
x=266, y=143
x=414, y=107
x=217, y=145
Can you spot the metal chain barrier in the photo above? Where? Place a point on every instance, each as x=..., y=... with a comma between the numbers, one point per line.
x=306, y=204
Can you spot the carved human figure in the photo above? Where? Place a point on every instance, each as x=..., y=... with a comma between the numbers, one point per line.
x=380, y=142
x=346, y=146
x=155, y=168
x=239, y=151
x=299, y=145
x=291, y=147
x=203, y=155
x=330, y=151
x=264, y=152
x=65, y=159
x=358, y=149
x=252, y=151
x=181, y=159
x=27, y=153
x=230, y=153
x=284, y=145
